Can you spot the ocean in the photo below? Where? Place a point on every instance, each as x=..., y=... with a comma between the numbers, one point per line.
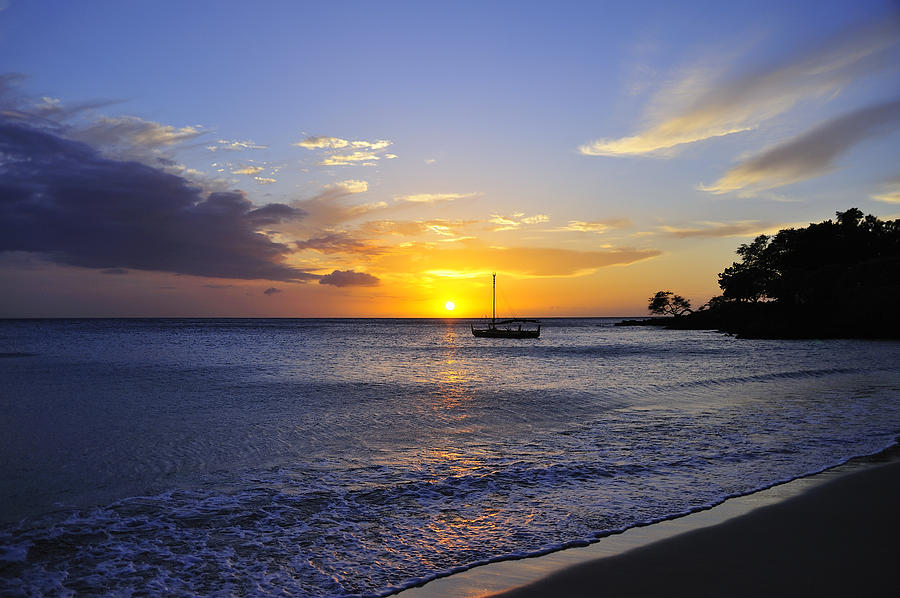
x=260, y=457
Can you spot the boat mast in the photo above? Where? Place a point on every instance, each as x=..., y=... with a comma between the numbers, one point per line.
x=493, y=297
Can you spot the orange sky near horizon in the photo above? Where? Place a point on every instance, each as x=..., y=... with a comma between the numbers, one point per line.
x=591, y=154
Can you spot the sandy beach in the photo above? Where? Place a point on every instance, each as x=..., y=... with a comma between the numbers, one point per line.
x=838, y=539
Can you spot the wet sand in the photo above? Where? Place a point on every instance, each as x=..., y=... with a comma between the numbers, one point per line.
x=837, y=539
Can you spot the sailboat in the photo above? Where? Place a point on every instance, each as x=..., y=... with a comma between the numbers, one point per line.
x=513, y=328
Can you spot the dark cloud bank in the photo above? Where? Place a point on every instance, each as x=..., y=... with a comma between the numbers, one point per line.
x=64, y=200
x=61, y=198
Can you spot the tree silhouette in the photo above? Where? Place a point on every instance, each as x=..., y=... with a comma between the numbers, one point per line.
x=668, y=303
x=824, y=263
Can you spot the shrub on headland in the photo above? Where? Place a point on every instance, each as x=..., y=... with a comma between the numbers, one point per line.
x=832, y=279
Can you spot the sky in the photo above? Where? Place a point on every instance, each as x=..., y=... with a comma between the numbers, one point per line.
x=359, y=159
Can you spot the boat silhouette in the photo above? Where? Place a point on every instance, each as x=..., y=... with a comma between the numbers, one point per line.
x=511, y=328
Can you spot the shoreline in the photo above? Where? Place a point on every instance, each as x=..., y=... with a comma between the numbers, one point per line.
x=587, y=569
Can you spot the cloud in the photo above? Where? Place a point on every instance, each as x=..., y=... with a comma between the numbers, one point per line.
x=349, y=278
x=264, y=180
x=515, y=221
x=695, y=108
x=475, y=258
x=810, y=154
x=351, y=186
x=433, y=197
x=360, y=152
x=133, y=132
x=61, y=198
x=743, y=228
x=249, y=170
x=328, y=208
x=595, y=226
x=889, y=192
x=319, y=142
x=233, y=145
x=271, y=291
x=338, y=242
x=364, y=158
x=51, y=111
x=412, y=228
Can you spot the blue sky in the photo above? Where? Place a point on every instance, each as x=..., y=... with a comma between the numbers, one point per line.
x=423, y=145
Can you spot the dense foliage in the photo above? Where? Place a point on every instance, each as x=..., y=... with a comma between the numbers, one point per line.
x=835, y=278
x=843, y=263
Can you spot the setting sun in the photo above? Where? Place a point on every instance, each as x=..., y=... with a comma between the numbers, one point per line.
x=449, y=306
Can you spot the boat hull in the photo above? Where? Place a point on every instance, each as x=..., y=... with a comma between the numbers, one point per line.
x=505, y=333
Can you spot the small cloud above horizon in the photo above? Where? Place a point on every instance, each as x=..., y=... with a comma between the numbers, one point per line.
x=349, y=278
x=514, y=221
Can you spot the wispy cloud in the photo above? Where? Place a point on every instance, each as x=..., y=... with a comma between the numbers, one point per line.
x=433, y=197
x=320, y=142
x=515, y=221
x=810, y=154
x=233, y=145
x=346, y=152
x=595, y=226
x=351, y=186
x=133, y=132
x=248, y=170
x=888, y=192
x=476, y=258
x=412, y=228
x=362, y=158
x=700, y=108
x=329, y=207
x=742, y=228
x=339, y=242
x=349, y=278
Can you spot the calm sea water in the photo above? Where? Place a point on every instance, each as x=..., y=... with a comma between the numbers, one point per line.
x=345, y=457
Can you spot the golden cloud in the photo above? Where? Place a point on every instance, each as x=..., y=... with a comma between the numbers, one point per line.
x=350, y=186
x=249, y=170
x=351, y=158
x=412, y=228
x=889, y=192
x=515, y=221
x=699, y=109
x=320, y=142
x=433, y=197
x=475, y=258
x=596, y=226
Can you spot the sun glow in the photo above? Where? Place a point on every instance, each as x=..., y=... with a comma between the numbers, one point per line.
x=449, y=306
